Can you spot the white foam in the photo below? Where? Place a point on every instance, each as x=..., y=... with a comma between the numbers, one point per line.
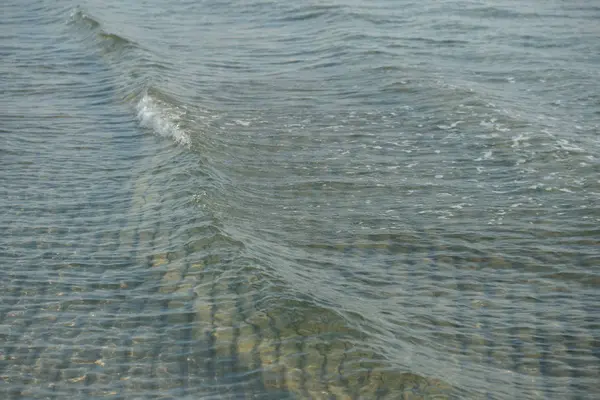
x=486, y=156
x=162, y=120
x=451, y=126
x=520, y=141
x=564, y=144
x=242, y=122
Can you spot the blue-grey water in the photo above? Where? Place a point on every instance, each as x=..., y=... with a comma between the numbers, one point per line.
x=300, y=200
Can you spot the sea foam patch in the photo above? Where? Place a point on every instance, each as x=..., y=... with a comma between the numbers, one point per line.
x=161, y=118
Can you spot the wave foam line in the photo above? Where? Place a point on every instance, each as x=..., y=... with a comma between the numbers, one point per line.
x=152, y=114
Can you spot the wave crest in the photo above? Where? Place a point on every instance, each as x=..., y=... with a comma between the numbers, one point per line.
x=161, y=118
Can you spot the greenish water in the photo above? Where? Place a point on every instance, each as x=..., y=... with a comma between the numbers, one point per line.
x=320, y=200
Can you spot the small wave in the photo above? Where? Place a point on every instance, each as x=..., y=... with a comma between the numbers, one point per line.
x=161, y=118
x=108, y=42
x=304, y=13
x=79, y=16
x=126, y=55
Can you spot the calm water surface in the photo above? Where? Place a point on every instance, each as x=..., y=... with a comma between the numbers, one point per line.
x=300, y=200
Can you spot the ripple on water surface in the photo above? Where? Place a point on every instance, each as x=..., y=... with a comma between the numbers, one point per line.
x=263, y=200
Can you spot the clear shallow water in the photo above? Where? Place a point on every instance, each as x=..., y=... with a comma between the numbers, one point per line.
x=321, y=200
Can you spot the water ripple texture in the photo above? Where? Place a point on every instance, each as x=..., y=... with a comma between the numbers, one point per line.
x=299, y=200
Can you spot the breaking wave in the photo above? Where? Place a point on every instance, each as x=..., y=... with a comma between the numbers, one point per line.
x=161, y=118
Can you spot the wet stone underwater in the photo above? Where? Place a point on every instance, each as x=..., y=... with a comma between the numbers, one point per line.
x=194, y=320
x=167, y=305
